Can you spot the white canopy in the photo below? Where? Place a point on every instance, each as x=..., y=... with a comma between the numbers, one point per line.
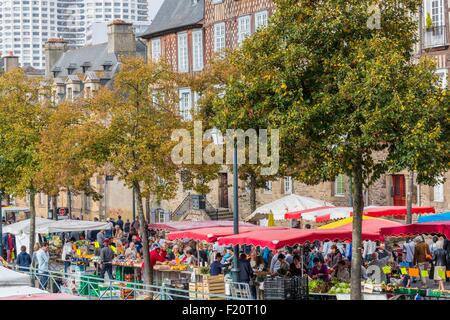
x=286, y=204
x=19, y=291
x=10, y=278
x=51, y=226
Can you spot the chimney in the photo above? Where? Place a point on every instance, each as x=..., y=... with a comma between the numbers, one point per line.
x=54, y=49
x=121, y=39
x=10, y=62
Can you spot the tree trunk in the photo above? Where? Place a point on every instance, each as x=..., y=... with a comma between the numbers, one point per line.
x=54, y=207
x=148, y=270
x=69, y=202
x=252, y=187
x=32, y=221
x=148, y=208
x=409, y=198
x=358, y=206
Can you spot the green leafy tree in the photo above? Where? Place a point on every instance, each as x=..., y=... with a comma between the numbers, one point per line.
x=138, y=115
x=24, y=110
x=338, y=89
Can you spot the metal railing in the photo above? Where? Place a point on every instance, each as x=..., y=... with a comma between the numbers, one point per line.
x=95, y=288
x=436, y=36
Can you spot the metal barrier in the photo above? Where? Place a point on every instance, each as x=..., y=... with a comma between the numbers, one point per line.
x=94, y=288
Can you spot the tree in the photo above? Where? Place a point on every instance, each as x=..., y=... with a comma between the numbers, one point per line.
x=338, y=90
x=138, y=115
x=24, y=111
x=68, y=152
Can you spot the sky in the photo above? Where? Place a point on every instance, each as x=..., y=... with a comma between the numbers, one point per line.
x=154, y=7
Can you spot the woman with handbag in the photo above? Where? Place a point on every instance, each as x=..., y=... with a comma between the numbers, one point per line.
x=422, y=257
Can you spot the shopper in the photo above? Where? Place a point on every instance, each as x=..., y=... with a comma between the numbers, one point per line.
x=320, y=270
x=216, y=266
x=126, y=227
x=43, y=258
x=440, y=264
x=23, y=260
x=67, y=253
x=422, y=257
x=120, y=222
x=9, y=244
x=106, y=258
x=296, y=267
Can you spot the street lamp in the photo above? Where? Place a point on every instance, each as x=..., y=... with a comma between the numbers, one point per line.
x=218, y=140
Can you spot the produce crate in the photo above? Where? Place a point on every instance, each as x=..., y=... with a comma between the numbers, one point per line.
x=208, y=285
x=280, y=288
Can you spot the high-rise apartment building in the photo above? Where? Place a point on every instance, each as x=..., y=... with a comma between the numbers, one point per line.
x=27, y=24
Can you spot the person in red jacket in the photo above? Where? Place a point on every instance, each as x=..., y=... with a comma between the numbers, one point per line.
x=157, y=254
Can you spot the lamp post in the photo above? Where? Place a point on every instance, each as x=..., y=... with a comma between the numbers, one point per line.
x=134, y=205
x=218, y=140
x=235, y=271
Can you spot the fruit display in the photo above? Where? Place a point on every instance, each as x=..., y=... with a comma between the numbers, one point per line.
x=178, y=267
x=127, y=262
x=318, y=286
x=340, y=287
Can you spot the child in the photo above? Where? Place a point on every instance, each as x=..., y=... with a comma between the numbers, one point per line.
x=406, y=279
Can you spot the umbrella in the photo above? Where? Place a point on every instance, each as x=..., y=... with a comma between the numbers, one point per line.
x=290, y=203
x=436, y=217
x=271, y=221
x=370, y=224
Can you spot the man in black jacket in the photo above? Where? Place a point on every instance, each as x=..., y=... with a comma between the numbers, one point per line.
x=246, y=272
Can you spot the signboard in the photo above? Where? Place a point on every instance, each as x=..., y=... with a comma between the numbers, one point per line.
x=63, y=213
x=109, y=178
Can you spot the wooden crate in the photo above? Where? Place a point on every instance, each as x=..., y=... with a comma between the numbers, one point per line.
x=208, y=285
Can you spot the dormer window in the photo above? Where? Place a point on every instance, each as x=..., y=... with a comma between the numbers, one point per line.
x=107, y=66
x=85, y=66
x=56, y=71
x=71, y=68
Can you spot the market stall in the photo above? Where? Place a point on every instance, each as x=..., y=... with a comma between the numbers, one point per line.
x=212, y=234
x=442, y=227
x=189, y=225
x=434, y=218
x=290, y=203
x=323, y=214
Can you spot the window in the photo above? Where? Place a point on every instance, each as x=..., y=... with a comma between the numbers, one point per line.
x=261, y=19
x=156, y=49
x=69, y=94
x=243, y=28
x=443, y=77
x=41, y=199
x=219, y=36
x=339, y=190
x=438, y=192
x=287, y=185
x=183, y=58
x=185, y=104
x=197, y=49
x=268, y=187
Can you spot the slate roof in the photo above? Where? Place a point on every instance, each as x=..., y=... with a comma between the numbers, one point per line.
x=175, y=15
x=95, y=56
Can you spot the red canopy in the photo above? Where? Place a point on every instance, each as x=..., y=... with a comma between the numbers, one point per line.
x=189, y=225
x=442, y=227
x=395, y=211
x=275, y=239
x=212, y=234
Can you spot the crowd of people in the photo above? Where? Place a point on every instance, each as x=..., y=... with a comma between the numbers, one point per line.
x=326, y=260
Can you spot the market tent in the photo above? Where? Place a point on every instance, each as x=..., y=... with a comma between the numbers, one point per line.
x=44, y=296
x=72, y=225
x=212, y=234
x=321, y=214
x=24, y=226
x=290, y=203
x=394, y=211
x=22, y=229
x=435, y=217
x=190, y=225
x=276, y=238
x=9, y=293
x=10, y=277
x=442, y=227
x=370, y=224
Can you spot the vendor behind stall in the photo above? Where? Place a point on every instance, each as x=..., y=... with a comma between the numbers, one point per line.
x=216, y=266
x=67, y=252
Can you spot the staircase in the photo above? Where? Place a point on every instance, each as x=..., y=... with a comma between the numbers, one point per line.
x=196, y=202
